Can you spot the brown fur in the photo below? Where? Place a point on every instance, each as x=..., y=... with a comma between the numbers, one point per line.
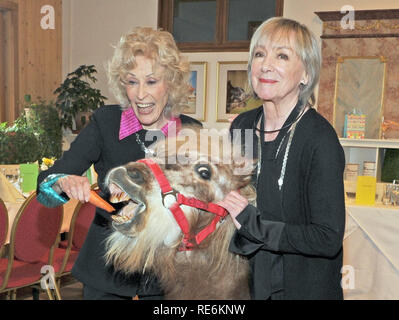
x=151, y=240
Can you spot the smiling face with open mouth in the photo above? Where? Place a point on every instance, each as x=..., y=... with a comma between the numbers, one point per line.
x=147, y=91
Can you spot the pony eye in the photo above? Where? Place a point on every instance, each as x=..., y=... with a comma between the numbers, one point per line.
x=204, y=171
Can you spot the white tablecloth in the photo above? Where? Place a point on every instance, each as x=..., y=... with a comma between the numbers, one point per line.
x=371, y=247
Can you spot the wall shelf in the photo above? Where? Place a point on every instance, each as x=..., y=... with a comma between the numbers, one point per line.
x=370, y=143
x=361, y=150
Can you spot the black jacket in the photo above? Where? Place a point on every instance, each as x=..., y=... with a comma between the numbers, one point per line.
x=305, y=236
x=99, y=144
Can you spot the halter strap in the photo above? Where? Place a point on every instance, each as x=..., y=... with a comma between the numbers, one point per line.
x=157, y=171
x=189, y=241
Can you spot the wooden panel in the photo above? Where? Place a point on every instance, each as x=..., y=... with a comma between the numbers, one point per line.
x=360, y=14
x=2, y=64
x=39, y=52
x=11, y=67
x=9, y=60
x=7, y=5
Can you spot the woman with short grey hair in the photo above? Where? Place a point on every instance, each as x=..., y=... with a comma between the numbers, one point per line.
x=293, y=237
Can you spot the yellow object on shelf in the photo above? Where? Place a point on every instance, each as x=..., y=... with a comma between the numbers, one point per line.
x=365, y=190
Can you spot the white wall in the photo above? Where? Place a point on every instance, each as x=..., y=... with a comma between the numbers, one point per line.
x=90, y=27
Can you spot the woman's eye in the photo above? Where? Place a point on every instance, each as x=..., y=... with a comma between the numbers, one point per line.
x=204, y=171
x=258, y=54
x=151, y=82
x=130, y=82
x=283, y=56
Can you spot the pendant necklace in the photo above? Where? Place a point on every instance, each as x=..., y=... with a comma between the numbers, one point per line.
x=146, y=150
x=293, y=123
x=282, y=128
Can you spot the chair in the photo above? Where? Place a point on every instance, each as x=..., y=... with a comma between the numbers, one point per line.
x=66, y=253
x=33, y=238
x=3, y=225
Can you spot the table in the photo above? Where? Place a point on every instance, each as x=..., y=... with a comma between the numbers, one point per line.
x=371, y=253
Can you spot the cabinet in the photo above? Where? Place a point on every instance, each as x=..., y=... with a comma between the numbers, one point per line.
x=358, y=151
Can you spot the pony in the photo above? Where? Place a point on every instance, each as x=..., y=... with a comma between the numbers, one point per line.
x=171, y=224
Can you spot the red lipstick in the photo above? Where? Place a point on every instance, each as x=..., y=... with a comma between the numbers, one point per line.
x=267, y=81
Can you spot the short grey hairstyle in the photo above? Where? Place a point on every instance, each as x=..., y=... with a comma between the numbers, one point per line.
x=304, y=44
x=159, y=46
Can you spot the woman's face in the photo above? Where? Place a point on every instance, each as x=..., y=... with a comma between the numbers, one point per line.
x=147, y=92
x=277, y=71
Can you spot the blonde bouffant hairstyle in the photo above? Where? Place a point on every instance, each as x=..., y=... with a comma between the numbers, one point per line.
x=160, y=47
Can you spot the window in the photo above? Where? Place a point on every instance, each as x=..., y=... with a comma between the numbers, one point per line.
x=8, y=61
x=215, y=25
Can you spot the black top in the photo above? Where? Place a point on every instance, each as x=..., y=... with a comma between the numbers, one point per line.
x=99, y=144
x=294, y=237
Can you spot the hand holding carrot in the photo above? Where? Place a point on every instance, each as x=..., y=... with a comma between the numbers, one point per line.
x=99, y=202
x=75, y=187
x=78, y=187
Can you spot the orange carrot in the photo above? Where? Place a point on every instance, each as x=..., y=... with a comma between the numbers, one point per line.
x=99, y=202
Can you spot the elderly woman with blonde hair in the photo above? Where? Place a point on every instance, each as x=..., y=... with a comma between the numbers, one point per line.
x=149, y=78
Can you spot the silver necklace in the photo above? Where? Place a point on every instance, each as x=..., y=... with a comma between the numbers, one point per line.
x=280, y=181
x=146, y=150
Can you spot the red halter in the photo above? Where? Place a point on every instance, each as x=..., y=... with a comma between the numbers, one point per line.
x=177, y=199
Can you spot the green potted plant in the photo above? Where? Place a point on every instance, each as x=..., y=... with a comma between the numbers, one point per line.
x=76, y=99
x=44, y=120
x=18, y=143
x=34, y=135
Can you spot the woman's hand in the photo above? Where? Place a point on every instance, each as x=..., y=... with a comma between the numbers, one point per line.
x=76, y=187
x=234, y=203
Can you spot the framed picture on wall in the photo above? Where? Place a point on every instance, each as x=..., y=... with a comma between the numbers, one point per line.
x=233, y=95
x=197, y=100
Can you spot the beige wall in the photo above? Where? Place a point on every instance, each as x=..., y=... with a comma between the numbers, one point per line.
x=91, y=26
x=303, y=11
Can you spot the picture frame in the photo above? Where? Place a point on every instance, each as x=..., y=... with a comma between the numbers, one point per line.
x=197, y=100
x=356, y=75
x=233, y=94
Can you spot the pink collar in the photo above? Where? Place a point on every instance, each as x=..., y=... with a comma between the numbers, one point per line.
x=130, y=124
